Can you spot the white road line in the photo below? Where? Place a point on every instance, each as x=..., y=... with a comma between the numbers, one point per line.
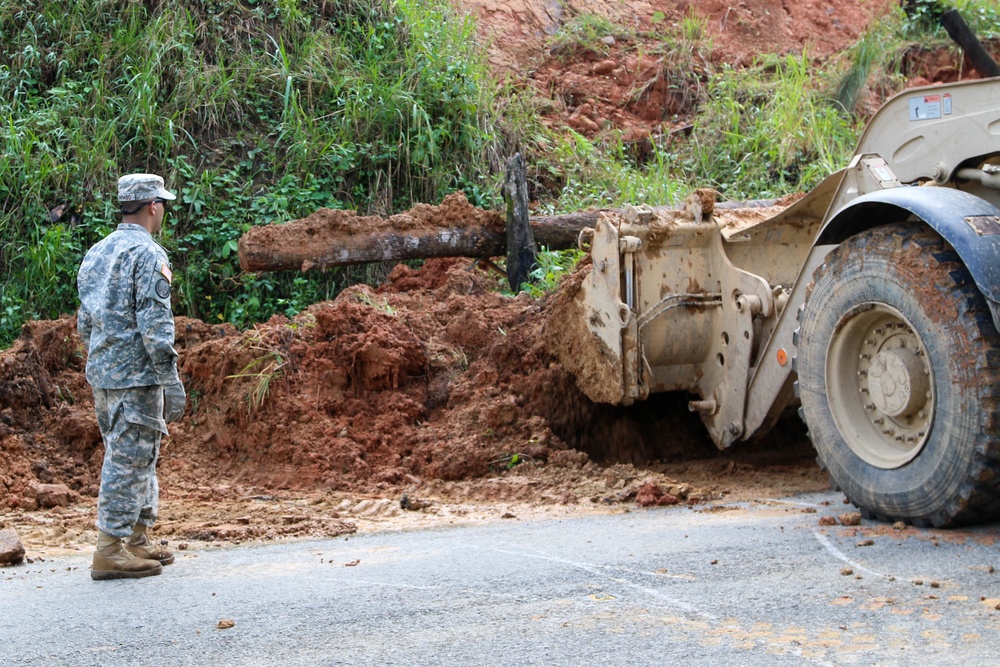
x=840, y=555
x=794, y=651
x=596, y=572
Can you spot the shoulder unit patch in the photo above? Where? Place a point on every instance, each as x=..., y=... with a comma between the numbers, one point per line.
x=162, y=288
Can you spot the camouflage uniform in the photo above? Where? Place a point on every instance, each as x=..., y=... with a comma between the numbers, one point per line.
x=127, y=328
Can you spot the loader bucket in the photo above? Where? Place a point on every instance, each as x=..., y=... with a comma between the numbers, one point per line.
x=587, y=324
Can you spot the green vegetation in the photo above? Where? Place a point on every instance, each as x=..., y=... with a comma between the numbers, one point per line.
x=254, y=111
x=585, y=32
x=551, y=267
x=768, y=130
x=260, y=111
x=262, y=370
x=921, y=20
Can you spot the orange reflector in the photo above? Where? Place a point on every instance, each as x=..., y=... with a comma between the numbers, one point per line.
x=782, y=357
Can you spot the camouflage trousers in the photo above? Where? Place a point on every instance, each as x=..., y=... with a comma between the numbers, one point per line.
x=131, y=422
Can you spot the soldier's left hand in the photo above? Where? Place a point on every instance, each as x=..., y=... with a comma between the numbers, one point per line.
x=174, y=399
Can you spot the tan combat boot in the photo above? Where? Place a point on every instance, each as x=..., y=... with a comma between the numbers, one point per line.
x=112, y=561
x=139, y=545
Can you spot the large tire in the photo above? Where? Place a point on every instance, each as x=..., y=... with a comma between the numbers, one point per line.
x=897, y=361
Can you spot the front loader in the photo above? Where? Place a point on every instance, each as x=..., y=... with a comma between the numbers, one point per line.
x=872, y=304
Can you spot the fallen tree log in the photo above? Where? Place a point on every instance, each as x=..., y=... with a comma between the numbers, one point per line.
x=331, y=238
x=960, y=31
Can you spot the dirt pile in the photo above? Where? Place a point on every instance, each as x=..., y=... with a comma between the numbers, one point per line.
x=433, y=376
x=517, y=32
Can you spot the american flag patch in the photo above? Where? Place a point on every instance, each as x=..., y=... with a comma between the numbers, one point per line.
x=165, y=270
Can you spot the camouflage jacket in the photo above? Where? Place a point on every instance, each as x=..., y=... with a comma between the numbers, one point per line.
x=125, y=321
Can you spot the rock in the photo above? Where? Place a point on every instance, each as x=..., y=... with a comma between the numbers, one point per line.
x=604, y=67
x=827, y=521
x=652, y=495
x=50, y=495
x=608, y=40
x=850, y=519
x=413, y=504
x=27, y=504
x=581, y=123
x=11, y=549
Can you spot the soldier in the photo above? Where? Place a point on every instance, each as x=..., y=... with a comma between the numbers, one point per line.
x=127, y=328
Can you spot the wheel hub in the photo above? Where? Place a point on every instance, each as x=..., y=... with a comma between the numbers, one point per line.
x=886, y=417
x=898, y=382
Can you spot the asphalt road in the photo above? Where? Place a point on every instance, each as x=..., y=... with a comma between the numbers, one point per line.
x=764, y=585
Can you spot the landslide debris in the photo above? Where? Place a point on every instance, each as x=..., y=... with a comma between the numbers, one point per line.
x=434, y=376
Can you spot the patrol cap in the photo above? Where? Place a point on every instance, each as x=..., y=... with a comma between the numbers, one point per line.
x=142, y=187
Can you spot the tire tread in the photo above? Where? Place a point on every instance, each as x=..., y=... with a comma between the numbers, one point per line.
x=978, y=498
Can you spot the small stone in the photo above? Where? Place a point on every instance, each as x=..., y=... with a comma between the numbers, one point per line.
x=918, y=582
x=11, y=549
x=866, y=543
x=652, y=494
x=850, y=519
x=582, y=123
x=604, y=67
x=935, y=584
x=225, y=623
x=608, y=40
x=50, y=495
x=846, y=571
x=899, y=525
x=827, y=521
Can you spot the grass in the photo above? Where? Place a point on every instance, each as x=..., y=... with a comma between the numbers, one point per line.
x=587, y=32
x=262, y=370
x=255, y=112
x=550, y=267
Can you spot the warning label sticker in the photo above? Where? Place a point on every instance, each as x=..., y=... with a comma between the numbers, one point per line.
x=929, y=107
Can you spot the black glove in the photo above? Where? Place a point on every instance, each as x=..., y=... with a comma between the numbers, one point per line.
x=174, y=399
